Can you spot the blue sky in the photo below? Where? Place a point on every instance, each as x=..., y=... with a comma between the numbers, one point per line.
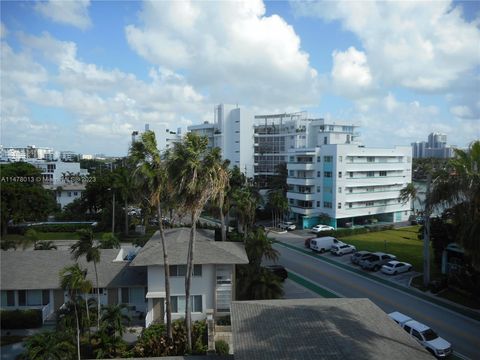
x=83, y=75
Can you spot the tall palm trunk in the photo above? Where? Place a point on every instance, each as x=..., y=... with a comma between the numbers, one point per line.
x=126, y=218
x=223, y=229
x=188, y=278
x=78, y=329
x=166, y=266
x=88, y=313
x=98, y=296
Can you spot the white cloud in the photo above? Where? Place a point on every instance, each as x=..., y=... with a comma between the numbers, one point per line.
x=3, y=31
x=424, y=45
x=74, y=13
x=350, y=73
x=230, y=49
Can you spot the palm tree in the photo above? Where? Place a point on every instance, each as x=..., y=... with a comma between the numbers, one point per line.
x=45, y=245
x=109, y=241
x=246, y=201
x=279, y=204
x=151, y=171
x=221, y=197
x=194, y=173
x=409, y=192
x=123, y=181
x=107, y=346
x=113, y=319
x=458, y=186
x=85, y=247
x=49, y=345
x=71, y=280
x=31, y=238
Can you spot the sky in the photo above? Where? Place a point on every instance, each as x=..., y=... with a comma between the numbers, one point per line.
x=82, y=75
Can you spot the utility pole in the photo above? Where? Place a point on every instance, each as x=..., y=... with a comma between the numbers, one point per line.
x=426, y=235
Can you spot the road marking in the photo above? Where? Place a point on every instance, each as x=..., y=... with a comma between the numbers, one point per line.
x=373, y=279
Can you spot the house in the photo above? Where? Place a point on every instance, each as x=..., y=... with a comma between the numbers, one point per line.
x=213, y=274
x=318, y=329
x=31, y=280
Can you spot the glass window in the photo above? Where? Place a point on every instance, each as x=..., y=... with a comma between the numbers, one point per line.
x=318, y=158
x=197, y=270
x=370, y=174
x=34, y=297
x=383, y=173
x=339, y=174
x=8, y=298
x=339, y=206
x=370, y=159
x=197, y=303
x=416, y=334
x=327, y=174
x=125, y=296
x=318, y=188
x=319, y=173
x=22, y=297
x=339, y=189
x=325, y=140
x=45, y=297
x=318, y=203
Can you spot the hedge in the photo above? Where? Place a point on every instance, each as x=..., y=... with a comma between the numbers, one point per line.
x=21, y=319
x=354, y=231
x=44, y=227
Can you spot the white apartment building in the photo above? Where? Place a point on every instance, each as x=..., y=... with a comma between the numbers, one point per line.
x=276, y=135
x=15, y=154
x=232, y=132
x=65, y=178
x=348, y=184
x=435, y=147
x=68, y=156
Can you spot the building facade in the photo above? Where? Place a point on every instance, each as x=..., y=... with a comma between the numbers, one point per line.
x=343, y=185
x=435, y=147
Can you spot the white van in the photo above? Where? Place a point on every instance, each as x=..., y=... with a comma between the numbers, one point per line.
x=323, y=244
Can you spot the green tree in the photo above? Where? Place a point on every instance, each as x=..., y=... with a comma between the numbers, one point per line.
x=245, y=201
x=124, y=183
x=109, y=241
x=114, y=318
x=458, y=186
x=24, y=200
x=31, y=238
x=49, y=345
x=85, y=247
x=106, y=346
x=279, y=205
x=72, y=280
x=151, y=173
x=193, y=171
x=409, y=193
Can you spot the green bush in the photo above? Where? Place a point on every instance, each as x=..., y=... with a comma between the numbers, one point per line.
x=354, y=231
x=60, y=227
x=221, y=347
x=21, y=319
x=224, y=321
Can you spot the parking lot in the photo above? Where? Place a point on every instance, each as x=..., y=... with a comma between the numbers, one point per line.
x=297, y=238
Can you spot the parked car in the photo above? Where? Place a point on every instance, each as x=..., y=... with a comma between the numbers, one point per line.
x=287, y=225
x=319, y=228
x=359, y=255
x=396, y=267
x=376, y=260
x=340, y=249
x=428, y=338
x=323, y=244
x=278, y=270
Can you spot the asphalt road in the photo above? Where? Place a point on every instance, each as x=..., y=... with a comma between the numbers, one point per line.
x=462, y=332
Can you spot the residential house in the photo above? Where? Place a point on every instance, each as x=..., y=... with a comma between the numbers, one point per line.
x=31, y=280
x=213, y=274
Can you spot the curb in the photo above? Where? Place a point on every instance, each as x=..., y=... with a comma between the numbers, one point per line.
x=324, y=293
x=463, y=311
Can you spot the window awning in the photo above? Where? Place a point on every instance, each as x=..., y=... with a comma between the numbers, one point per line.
x=155, y=294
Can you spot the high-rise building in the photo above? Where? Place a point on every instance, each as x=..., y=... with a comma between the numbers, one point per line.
x=435, y=147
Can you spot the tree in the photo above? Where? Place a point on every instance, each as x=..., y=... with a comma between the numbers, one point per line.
x=49, y=345
x=108, y=346
x=150, y=171
x=194, y=174
x=221, y=198
x=246, y=201
x=24, y=200
x=458, y=186
x=123, y=181
x=31, y=238
x=279, y=204
x=85, y=247
x=72, y=280
x=109, y=241
x=45, y=245
x=409, y=192
x=114, y=319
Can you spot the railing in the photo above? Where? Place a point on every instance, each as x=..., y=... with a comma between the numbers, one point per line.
x=149, y=318
x=46, y=311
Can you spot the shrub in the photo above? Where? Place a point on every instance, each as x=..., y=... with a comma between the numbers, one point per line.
x=224, y=321
x=221, y=347
x=21, y=319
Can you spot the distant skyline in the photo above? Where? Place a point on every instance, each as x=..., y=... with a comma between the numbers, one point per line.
x=83, y=75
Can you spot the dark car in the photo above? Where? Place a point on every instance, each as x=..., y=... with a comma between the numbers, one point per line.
x=359, y=255
x=278, y=270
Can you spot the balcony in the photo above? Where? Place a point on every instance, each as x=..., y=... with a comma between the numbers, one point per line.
x=300, y=166
x=305, y=196
x=301, y=181
x=302, y=210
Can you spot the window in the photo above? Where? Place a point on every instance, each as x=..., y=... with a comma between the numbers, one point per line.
x=181, y=270
x=318, y=158
x=370, y=173
x=319, y=173
x=407, y=328
x=318, y=203
x=327, y=174
x=416, y=334
x=339, y=206
x=350, y=205
x=318, y=189
x=339, y=174
x=290, y=201
x=22, y=297
x=339, y=159
x=45, y=297
x=350, y=174
x=325, y=140
x=369, y=203
x=339, y=189
x=370, y=159
x=125, y=296
x=8, y=298
x=327, y=159
x=382, y=173
x=178, y=303
x=292, y=158
x=327, y=189
x=291, y=173
x=327, y=204
x=69, y=194
x=75, y=193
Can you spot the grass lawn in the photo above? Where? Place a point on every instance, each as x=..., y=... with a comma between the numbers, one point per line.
x=52, y=236
x=403, y=243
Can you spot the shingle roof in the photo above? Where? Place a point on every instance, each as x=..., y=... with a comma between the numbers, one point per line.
x=314, y=329
x=41, y=270
x=207, y=251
